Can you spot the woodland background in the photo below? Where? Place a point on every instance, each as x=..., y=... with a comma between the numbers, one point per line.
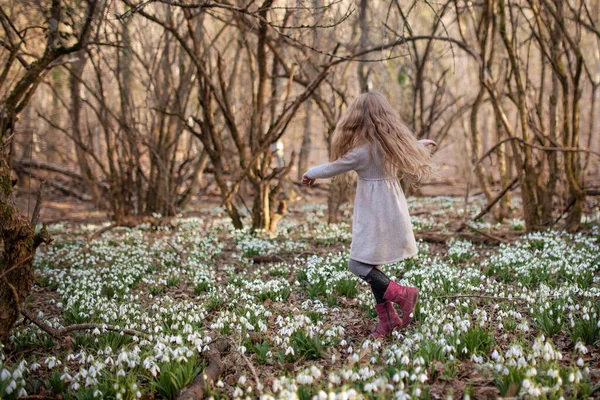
x=141, y=108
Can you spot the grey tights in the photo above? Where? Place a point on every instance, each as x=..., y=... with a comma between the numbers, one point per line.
x=373, y=276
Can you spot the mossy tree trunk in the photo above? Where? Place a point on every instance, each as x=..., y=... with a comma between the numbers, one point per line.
x=18, y=245
x=18, y=239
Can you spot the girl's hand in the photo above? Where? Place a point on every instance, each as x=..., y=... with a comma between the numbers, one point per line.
x=306, y=181
x=427, y=143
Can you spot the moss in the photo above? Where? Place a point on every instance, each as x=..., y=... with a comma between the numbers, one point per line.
x=6, y=214
x=6, y=184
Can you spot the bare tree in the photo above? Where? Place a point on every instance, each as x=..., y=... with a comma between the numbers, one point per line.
x=19, y=239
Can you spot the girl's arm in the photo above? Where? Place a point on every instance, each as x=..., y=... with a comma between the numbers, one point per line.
x=347, y=162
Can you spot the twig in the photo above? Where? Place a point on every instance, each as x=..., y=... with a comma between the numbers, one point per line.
x=59, y=333
x=478, y=296
x=535, y=146
x=14, y=293
x=250, y=367
x=38, y=205
x=496, y=199
x=179, y=253
x=562, y=214
x=100, y=232
x=483, y=233
x=88, y=327
x=17, y=265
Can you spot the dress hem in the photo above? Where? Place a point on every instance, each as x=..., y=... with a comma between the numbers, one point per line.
x=384, y=262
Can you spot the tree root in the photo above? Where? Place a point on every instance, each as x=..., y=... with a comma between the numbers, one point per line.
x=198, y=387
x=62, y=332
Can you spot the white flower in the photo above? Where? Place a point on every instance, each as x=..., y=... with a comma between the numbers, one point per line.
x=581, y=348
x=4, y=375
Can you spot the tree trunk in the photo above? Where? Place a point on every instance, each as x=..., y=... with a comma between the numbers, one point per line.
x=261, y=210
x=195, y=181
x=363, y=78
x=528, y=174
x=75, y=111
x=306, y=142
x=18, y=244
x=476, y=144
x=505, y=178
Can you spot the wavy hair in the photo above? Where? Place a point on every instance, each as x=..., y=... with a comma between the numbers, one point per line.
x=370, y=119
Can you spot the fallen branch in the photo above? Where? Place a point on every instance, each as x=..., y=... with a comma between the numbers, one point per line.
x=22, y=163
x=443, y=238
x=130, y=222
x=179, y=252
x=100, y=232
x=483, y=233
x=266, y=258
x=60, y=186
x=477, y=296
x=212, y=372
x=60, y=333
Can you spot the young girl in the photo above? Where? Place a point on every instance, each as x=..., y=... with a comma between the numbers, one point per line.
x=371, y=140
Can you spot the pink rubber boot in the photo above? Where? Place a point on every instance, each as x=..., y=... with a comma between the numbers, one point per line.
x=388, y=320
x=406, y=297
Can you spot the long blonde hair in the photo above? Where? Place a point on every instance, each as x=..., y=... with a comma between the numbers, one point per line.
x=370, y=119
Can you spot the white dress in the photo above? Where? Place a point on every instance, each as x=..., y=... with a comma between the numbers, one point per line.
x=381, y=228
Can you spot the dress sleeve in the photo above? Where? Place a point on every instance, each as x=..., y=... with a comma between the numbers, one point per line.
x=348, y=162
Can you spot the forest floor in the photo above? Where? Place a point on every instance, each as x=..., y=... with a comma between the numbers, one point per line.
x=517, y=318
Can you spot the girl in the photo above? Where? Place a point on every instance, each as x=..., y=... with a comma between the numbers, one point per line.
x=371, y=140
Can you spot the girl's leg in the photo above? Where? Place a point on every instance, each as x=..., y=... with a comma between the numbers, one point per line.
x=373, y=276
x=388, y=317
x=385, y=290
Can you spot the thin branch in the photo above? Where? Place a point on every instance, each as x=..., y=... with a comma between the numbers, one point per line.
x=482, y=233
x=491, y=204
x=60, y=333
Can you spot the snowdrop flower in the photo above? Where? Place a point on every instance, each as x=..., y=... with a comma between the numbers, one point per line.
x=316, y=372
x=4, y=375
x=581, y=348
x=11, y=387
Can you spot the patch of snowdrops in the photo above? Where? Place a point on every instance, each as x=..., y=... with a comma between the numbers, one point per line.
x=523, y=316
